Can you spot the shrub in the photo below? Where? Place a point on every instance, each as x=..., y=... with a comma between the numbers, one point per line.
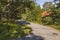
x=48, y=20
x=9, y=31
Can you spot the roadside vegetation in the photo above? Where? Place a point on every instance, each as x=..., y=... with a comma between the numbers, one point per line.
x=10, y=31
x=53, y=19
x=11, y=10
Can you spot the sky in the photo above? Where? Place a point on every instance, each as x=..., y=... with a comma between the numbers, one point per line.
x=41, y=2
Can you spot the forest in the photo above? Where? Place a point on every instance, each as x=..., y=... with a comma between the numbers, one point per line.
x=11, y=10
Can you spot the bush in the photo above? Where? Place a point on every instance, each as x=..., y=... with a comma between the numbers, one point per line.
x=9, y=31
x=48, y=20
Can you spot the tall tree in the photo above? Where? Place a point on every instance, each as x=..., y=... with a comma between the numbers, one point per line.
x=13, y=8
x=47, y=6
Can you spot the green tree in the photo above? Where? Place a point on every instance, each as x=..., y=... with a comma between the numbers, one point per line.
x=48, y=6
x=35, y=13
x=54, y=18
x=56, y=12
x=12, y=9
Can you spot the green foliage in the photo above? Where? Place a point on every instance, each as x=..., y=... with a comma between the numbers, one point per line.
x=9, y=31
x=48, y=20
x=55, y=26
x=48, y=6
x=35, y=14
x=54, y=17
x=53, y=20
x=11, y=9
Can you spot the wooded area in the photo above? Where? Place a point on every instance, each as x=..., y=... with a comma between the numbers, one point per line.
x=11, y=10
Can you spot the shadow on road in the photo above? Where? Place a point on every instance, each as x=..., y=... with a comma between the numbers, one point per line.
x=22, y=22
x=31, y=37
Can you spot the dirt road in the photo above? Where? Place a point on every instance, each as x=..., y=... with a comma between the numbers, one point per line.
x=46, y=32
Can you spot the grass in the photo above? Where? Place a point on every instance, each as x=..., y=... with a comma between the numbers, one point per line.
x=55, y=27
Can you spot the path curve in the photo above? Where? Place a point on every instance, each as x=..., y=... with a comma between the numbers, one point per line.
x=47, y=32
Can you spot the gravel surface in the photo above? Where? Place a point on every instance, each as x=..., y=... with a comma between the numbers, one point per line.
x=46, y=32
